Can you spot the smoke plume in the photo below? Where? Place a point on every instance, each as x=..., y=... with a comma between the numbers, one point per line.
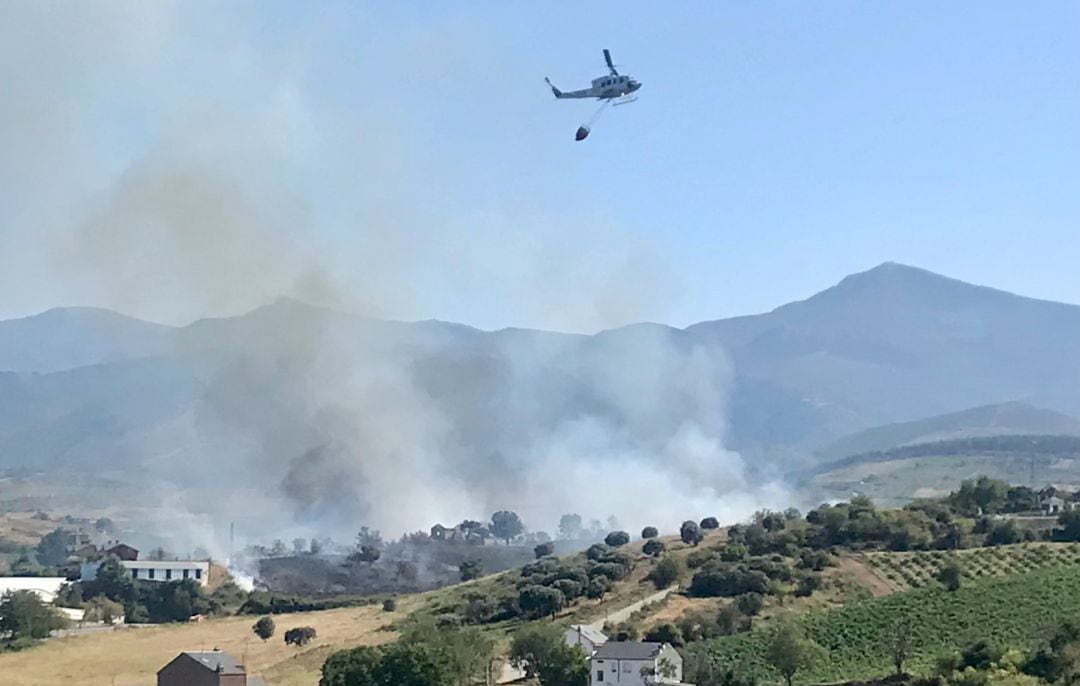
x=230, y=182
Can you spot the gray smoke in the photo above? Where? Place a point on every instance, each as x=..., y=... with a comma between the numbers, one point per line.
x=310, y=422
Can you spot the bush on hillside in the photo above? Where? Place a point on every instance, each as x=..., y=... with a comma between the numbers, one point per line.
x=665, y=573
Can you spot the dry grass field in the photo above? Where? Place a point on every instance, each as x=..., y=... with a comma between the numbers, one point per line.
x=132, y=656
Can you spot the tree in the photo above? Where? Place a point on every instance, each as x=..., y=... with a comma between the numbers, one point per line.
x=598, y=587
x=101, y=609
x=665, y=573
x=789, y=652
x=299, y=546
x=264, y=627
x=506, y=525
x=531, y=646
x=471, y=569
x=565, y=665
x=710, y=523
x=366, y=554
x=397, y=664
x=105, y=525
x=51, y=550
x=389, y=605
x=951, y=576
x=315, y=547
x=300, y=636
x=650, y=532
x=570, y=527
x=1069, y=522
x=541, y=601
x=541, y=653
x=617, y=538
x=653, y=547
x=665, y=633
x=690, y=533
x=544, y=550
x=750, y=603
x=113, y=581
x=24, y=615
x=368, y=537
x=899, y=645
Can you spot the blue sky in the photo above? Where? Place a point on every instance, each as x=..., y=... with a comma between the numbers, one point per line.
x=412, y=151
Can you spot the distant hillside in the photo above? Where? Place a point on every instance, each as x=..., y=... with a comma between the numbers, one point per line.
x=248, y=400
x=66, y=338
x=987, y=420
x=896, y=476
x=1009, y=445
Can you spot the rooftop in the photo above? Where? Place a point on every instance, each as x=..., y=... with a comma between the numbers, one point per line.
x=212, y=659
x=590, y=632
x=166, y=564
x=628, y=651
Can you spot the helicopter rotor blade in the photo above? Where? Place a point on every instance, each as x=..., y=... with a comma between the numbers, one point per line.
x=607, y=58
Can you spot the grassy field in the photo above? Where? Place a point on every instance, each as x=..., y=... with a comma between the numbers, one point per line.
x=1013, y=611
x=917, y=569
x=132, y=656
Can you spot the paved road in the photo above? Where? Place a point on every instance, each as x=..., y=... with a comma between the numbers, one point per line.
x=510, y=674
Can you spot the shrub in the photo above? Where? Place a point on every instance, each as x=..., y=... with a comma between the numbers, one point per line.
x=471, y=569
x=617, y=538
x=750, y=603
x=665, y=633
x=649, y=532
x=389, y=605
x=544, y=550
x=698, y=558
x=665, y=573
x=299, y=636
x=710, y=523
x=597, y=552
x=950, y=576
x=727, y=582
x=653, y=547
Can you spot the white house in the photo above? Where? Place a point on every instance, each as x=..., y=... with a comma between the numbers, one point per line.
x=635, y=664
x=45, y=587
x=157, y=570
x=588, y=637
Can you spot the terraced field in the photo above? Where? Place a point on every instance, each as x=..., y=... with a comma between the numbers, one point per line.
x=918, y=569
x=1013, y=612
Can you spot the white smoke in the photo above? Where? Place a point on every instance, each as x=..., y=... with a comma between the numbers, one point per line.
x=308, y=426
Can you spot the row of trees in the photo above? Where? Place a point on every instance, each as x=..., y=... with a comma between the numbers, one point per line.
x=426, y=655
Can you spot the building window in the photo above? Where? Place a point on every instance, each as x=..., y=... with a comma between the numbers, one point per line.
x=150, y=573
x=600, y=675
x=168, y=574
x=198, y=573
x=185, y=573
x=135, y=573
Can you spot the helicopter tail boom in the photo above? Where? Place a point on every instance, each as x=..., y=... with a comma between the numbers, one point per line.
x=558, y=93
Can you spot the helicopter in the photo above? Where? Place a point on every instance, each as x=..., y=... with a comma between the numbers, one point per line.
x=611, y=87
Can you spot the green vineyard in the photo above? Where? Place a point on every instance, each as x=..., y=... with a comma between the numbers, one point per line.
x=917, y=569
x=1013, y=612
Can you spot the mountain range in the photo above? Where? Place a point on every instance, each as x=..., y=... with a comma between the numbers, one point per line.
x=90, y=389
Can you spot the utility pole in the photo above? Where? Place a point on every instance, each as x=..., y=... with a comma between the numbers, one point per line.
x=232, y=542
